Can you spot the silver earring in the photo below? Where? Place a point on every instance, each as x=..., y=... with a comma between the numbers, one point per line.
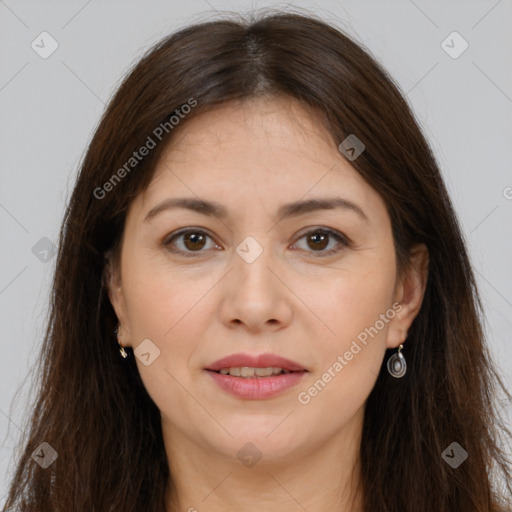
x=396, y=364
x=122, y=351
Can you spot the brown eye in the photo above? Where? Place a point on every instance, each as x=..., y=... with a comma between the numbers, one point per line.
x=188, y=241
x=194, y=241
x=318, y=239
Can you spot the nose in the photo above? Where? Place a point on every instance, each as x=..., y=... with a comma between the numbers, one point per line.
x=254, y=294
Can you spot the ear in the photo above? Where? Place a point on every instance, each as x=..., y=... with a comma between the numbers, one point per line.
x=409, y=293
x=112, y=279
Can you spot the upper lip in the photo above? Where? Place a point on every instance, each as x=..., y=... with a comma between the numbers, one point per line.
x=260, y=361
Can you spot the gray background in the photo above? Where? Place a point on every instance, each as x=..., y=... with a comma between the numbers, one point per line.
x=50, y=107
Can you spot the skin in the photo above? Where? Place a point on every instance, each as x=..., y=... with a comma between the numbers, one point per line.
x=252, y=157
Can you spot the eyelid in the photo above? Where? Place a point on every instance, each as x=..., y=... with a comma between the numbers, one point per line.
x=343, y=240
x=330, y=231
x=168, y=239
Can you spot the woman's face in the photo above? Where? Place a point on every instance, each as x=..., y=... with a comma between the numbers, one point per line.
x=315, y=286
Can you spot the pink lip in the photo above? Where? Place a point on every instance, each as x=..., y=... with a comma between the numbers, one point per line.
x=261, y=361
x=256, y=388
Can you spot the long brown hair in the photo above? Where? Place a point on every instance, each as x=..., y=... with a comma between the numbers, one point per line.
x=92, y=407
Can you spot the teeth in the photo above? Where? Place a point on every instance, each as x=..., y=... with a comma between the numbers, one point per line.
x=246, y=371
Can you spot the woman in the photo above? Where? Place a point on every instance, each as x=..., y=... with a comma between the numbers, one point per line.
x=262, y=296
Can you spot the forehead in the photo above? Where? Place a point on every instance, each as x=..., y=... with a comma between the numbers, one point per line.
x=279, y=125
x=259, y=150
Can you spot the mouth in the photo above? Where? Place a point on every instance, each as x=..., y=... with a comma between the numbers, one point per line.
x=260, y=364
x=247, y=372
x=255, y=377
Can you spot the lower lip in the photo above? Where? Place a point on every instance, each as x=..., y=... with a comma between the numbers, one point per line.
x=256, y=388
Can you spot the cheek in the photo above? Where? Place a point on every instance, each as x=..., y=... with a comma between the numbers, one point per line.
x=361, y=302
x=151, y=307
x=166, y=309
x=158, y=297
x=168, y=306
x=356, y=317
x=353, y=298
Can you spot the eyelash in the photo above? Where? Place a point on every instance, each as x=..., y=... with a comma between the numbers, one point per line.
x=344, y=241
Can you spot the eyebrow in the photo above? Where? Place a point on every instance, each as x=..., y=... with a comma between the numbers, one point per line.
x=212, y=208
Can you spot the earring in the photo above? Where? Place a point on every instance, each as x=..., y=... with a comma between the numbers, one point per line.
x=396, y=364
x=122, y=351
